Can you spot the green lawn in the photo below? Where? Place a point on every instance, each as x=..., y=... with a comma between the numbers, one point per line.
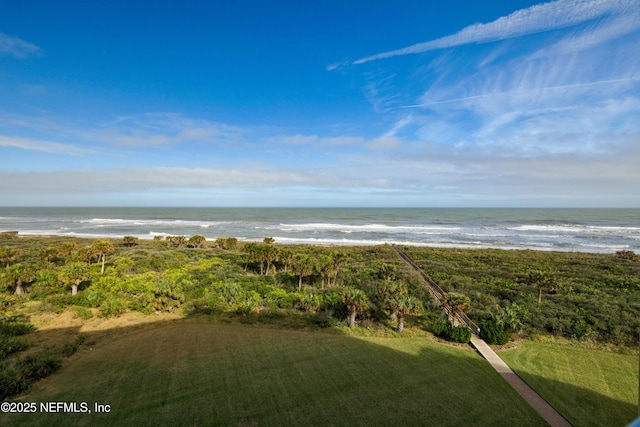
x=201, y=372
x=588, y=387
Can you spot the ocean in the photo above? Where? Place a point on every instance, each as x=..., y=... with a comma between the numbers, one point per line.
x=580, y=230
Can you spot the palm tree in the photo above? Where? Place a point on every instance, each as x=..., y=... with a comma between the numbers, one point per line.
x=249, y=248
x=404, y=305
x=47, y=254
x=130, y=240
x=325, y=268
x=387, y=271
x=458, y=303
x=339, y=258
x=356, y=301
x=9, y=255
x=87, y=255
x=286, y=255
x=541, y=279
x=19, y=275
x=270, y=256
x=302, y=266
x=196, y=241
x=101, y=247
x=389, y=290
x=265, y=255
x=230, y=243
x=73, y=274
x=177, y=241
x=66, y=249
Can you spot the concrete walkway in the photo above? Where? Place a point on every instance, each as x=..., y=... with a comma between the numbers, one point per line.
x=543, y=408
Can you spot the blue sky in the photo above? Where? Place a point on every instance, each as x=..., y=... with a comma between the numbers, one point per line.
x=282, y=103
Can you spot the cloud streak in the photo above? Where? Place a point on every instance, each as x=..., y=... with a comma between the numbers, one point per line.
x=41, y=145
x=13, y=46
x=166, y=129
x=535, y=19
x=524, y=92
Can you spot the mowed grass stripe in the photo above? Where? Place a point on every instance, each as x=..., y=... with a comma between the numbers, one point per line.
x=588, y=387
x=199, y=372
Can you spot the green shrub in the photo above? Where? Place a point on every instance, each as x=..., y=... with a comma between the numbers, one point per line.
x=246, y=307
x=166, y=295
x=278, y=297
x=630, y=255
x=460, y=334
x=60, y=302
x=269, y=315
x=35, y=367
x=112, y=306
x=92, y=297
x=13, y=329
x=10, y=345
x=443, y=329
x=208, y=304
x=230, y=292
x=82, y=313
x=71, y=347
x=11, y=382
x=309, y=302
x=493, y=334
x=324, y=319
x=8, y=235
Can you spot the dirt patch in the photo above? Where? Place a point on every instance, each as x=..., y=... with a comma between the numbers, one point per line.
x=56, y=330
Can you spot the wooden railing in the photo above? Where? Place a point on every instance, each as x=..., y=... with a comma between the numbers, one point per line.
x=438, y=293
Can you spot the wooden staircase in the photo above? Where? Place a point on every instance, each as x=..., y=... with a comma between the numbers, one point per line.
x=438, y=293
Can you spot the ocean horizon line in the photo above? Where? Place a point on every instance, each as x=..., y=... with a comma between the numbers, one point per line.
x=320, y=207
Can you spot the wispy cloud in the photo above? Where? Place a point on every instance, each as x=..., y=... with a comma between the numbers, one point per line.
x=165, y=129
x=134, y=131
x=13, y=46
x=126, y=180
x=535, y=19
x=524, y=92
x=41, y=145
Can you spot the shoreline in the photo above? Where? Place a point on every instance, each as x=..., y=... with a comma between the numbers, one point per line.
x=20, y=235
x=560, y=230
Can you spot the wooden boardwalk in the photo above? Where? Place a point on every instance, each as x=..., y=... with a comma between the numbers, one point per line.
x=536, y=401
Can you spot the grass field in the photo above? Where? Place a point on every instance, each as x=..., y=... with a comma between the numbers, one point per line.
x=589, y=387
x=203, y=372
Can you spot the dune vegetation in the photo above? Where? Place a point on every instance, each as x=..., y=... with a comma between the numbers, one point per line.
x=274, y=333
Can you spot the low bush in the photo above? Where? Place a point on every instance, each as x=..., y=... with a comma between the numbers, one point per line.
x=324, y=319
x=17, y=377
x=630, y=255
x=71, y=347
x=441, y=328
x=112, y=306
x=11, y=382
x=82, y=313
x=37, y=366
x=10, y=345
x=208, y=304
x=280, y=298
x=493, y=334
x=13, y=329
x=61, y=301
